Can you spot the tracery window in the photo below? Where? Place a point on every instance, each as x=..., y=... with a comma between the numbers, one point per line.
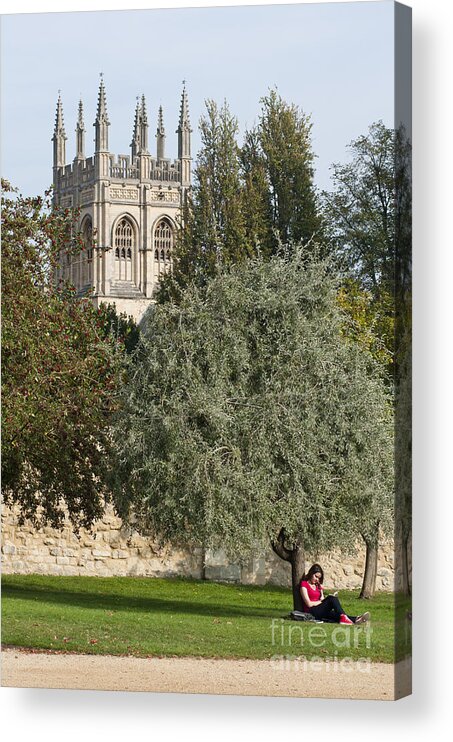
x=163, y=245
x=124, y=243
x=87, y=262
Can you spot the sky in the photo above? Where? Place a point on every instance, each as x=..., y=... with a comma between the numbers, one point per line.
x=335, y=61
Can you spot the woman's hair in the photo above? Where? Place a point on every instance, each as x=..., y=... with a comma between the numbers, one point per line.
x=312, y=571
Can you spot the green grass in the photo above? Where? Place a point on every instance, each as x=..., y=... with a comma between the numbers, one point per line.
x=181, y=617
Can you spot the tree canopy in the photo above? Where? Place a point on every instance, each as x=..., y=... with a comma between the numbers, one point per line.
x=369, y=212
x=369, y=218
x=285, y=152
x=361, y=208
x=212, y=233
x=249, y=199
x=249, y=417
x=61, y=368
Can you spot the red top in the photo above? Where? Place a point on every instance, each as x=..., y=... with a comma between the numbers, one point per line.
x=314, y=592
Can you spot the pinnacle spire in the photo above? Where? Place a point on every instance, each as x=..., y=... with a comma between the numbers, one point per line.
x=80, y=123
x=160, y=123
x=184, y=118
x=160, y=135
x=135, y=144
x=143, y=128
x=59, y=121
x=102, y=115
x=144, y=114
x=59, y=137
x=184, y=131
x=80, y=134
x=139, y=142
x=102, y=120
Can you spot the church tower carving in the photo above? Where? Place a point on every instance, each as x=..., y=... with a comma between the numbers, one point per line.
x=129, y=205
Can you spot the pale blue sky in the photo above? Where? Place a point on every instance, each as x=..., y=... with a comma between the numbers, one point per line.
x=333, y=60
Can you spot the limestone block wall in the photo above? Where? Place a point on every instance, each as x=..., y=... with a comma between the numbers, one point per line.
x=340, y=571
x=111, y=549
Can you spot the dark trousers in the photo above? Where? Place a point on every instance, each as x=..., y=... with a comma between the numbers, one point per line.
x=329, y=610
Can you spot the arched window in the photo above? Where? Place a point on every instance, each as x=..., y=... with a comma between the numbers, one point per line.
x=124, y=243
x=87, y=235
x=163, y=245
x=87, y=255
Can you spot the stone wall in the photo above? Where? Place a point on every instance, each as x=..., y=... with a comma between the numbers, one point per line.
x=110, y=549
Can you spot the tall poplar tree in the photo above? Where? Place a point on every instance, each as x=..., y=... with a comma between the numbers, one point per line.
x=257, y=202
x=368, y=214
x=283, y=135
x=213, y=233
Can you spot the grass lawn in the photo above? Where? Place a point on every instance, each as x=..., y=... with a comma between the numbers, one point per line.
x=181, y=617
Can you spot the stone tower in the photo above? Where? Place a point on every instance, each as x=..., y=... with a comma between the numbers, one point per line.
x=129, y=205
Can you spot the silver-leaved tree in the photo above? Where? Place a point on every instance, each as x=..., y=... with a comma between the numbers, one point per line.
x=249, y=417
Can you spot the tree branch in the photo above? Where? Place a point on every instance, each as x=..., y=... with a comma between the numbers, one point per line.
x=279, y=547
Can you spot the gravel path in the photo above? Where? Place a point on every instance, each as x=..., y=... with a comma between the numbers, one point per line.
x=193, y=675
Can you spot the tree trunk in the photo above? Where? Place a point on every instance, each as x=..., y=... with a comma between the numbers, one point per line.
x=371, y=563
x=297, y=571
x=296, y=557
x=406, y=587
x=203, y=563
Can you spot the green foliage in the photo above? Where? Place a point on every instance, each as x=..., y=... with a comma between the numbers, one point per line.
x=286, y=156
x=369, y=323
x=245, y=200
x=369, y=210
x=247, y=411
x=59, y=372
x=257, y=200
x=212, y=227
x=176, y=617
x=121, y=327
x=361, y=209
x=369, y=217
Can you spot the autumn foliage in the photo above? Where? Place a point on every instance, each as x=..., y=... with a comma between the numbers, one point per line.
x=61, y=369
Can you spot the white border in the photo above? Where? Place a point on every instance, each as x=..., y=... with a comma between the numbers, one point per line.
x=45, y=715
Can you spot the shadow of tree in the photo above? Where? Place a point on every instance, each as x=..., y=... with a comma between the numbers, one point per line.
x=208, y=605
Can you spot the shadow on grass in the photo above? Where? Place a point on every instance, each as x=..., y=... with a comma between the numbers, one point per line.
x=126, y=603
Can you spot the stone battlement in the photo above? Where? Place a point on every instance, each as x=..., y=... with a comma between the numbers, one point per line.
x=82, y=172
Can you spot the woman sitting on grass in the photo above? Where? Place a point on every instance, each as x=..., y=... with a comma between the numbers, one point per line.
x=324, y=609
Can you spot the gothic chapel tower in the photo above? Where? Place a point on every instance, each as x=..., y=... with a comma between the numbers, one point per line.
x=129, y=205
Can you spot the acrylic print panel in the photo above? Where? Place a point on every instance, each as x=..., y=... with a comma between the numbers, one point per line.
x=206, y=351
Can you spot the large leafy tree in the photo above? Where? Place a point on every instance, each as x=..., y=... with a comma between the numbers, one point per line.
x=60, y=371
x=361, y=209
x=249, y=418
x=368, y=214
x=369, y=218
x=370, y=324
